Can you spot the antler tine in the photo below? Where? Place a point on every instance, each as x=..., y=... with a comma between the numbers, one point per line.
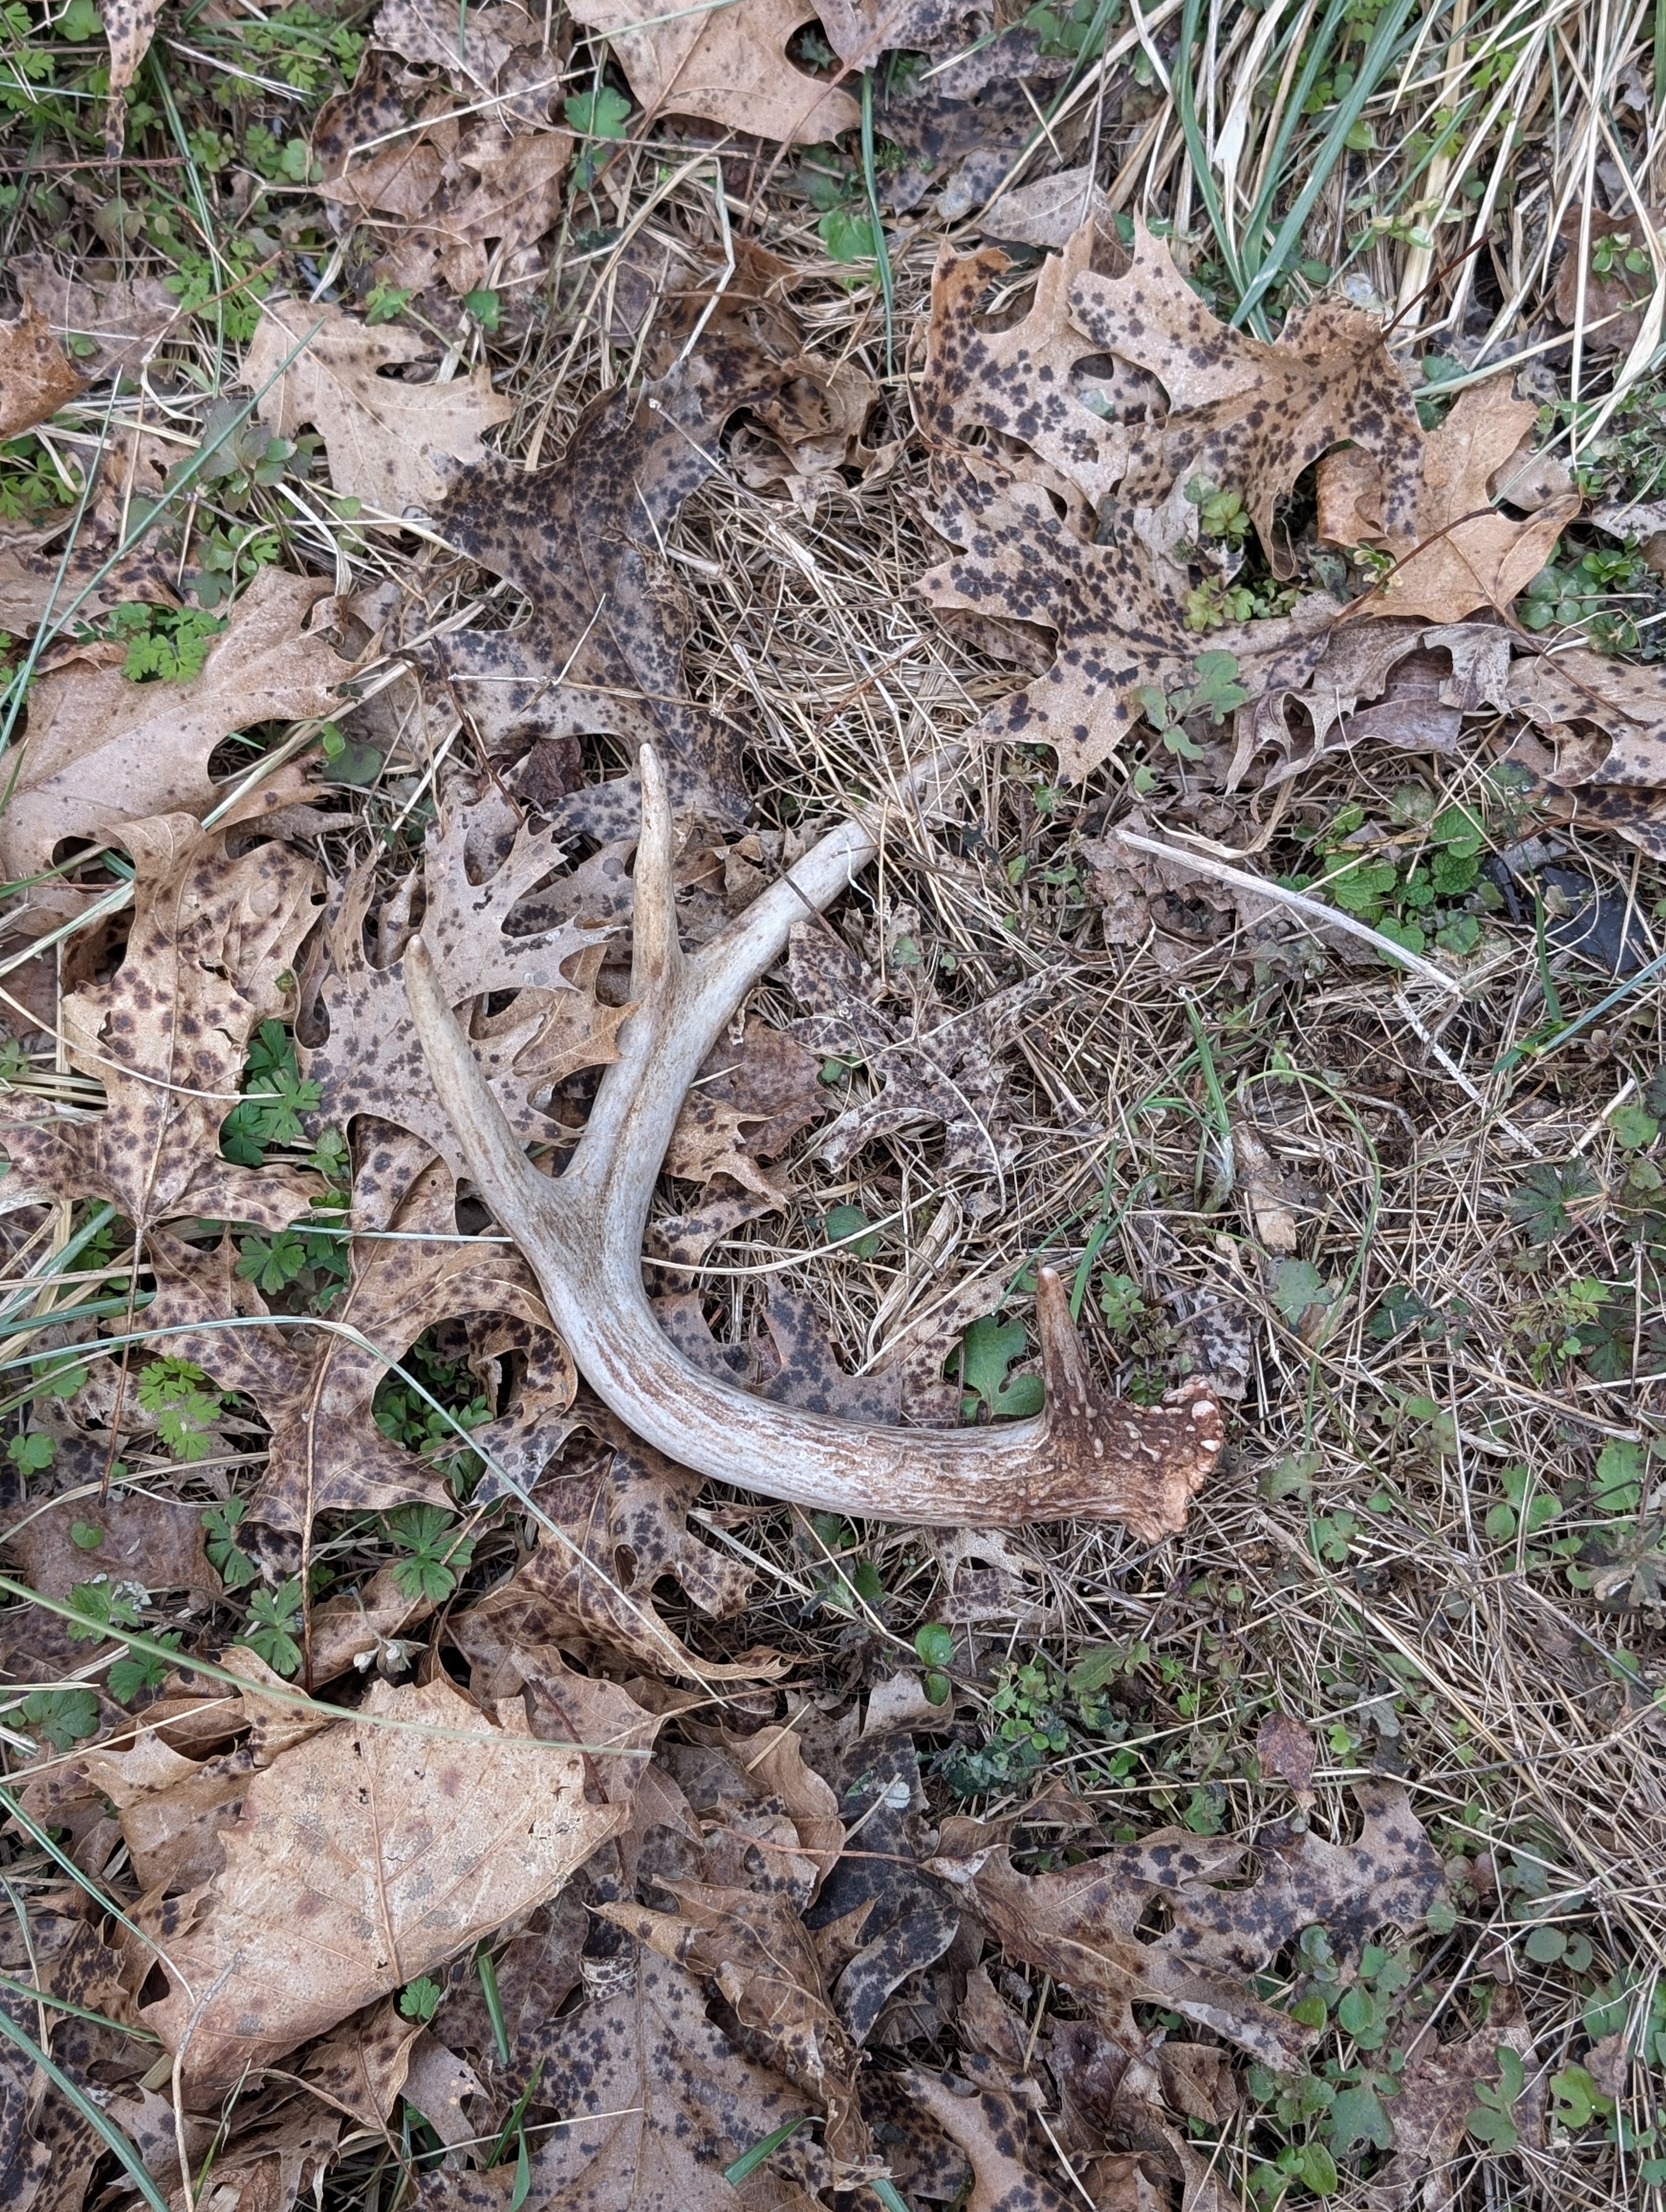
x=582, y=1237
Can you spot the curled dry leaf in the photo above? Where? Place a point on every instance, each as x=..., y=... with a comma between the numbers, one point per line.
x=1272, y=1214
x=387, y=442
x=365, y=1857
x=1049, y=212
x=726, y=65
x=1467, y=554
x=1080, y=1925
x=315, y=1388
x=101, y=751
x=36, y=375
x=128, y=25
x=583, y=539
x=1285, y=1747
x=213, y=940
x=995, y=2132
x=475, y=882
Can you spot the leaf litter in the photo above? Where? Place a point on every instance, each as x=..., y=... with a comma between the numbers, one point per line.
x=594, y=1901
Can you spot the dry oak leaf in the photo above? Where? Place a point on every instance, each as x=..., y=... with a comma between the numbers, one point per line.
x=361, y=2069
x=1248, y=415
x=1430, y=2117
x=385, y=439
x=948, y=1071
x=726, y=65
x=1030, y=381
x=36, y=376
x=583, y=539
x=1468, y=555
x=1080, y=1925
x=995, y=2131
x=494, y=194
x=315, y=1388
x=499, y=49
x=364, y=1857
x=1285, y=1747
x=129, y=26
x=1118, y=624
x=614, y=1523
x=120, y=317
x=746, y=1105
x=1606, y=717
x=101, y=750
x=755, y=1951
x=370, y=1062
x=656, y=2101
x=208, y=960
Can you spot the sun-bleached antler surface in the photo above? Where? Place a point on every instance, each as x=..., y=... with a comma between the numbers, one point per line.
x=582, y=1236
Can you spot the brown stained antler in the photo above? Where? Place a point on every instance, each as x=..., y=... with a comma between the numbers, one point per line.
x=582, y=1236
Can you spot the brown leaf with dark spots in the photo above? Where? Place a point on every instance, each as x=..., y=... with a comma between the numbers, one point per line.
x=581, y=538
x=1248, y=415
x=748, y=1102
x=1081, y=1925
x=754, y=1951
x=656, y=2101
x=120, y=317
x=995, y=2133
x=213, y=937
x=473, y=890
x=128, y=25
x=362, y=2068
x=1285, y=1747
x=389, y=443
x=1430, y=2117
x=1118, y=622
x=1030, y=382
x=36, y=375
x=142, y=1538
x=103, y=751
x=365, y=1857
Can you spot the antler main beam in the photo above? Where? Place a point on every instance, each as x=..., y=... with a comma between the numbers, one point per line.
x=582, y=1236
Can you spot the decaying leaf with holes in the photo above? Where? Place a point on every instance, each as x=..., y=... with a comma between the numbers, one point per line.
x=36, y=375
x=389, y=443
x=617, y=1523
x=1081, y=1924
x=479, y=869
x=130, y=1536
x=1118, y=622
x=1248, y=415
x=364, y=1857
x=581, y=538
x=1594, y=747
x=314, y=1388
x=1467, y=554
x=101, y=750
x=213, y=940
x=727, y=65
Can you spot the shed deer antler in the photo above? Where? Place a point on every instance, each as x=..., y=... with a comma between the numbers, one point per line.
x=582, y=1236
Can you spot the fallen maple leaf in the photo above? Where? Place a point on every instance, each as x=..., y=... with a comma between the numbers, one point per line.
x=208, y=959
x=370, y=1062
x=385, y=440
x=583, y=539
x=367, y=1856
x=1081, y=1924
x=726, y=65
x=101, y=750
x=1467, y=554
x=36, y=375
x=1248, y=415
x=327, y=1455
